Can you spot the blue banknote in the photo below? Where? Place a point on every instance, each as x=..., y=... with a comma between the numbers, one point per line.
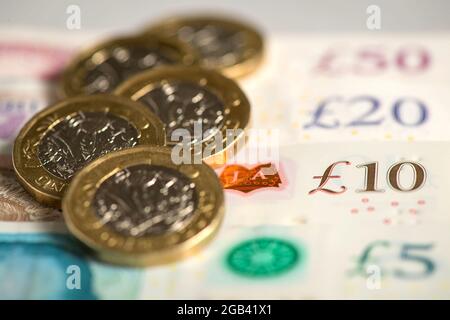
x=56, y=266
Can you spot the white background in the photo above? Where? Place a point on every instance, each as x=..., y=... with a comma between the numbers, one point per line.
x=272, y=16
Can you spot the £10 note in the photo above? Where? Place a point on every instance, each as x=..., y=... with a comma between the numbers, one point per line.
x=362, y=183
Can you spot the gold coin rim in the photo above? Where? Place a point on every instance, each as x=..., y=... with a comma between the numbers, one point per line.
x=236, y=71
x=236, y=104
x=150, y=131
x=145, y=250
x=75, y=72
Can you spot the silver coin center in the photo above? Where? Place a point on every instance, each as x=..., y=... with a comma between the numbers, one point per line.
x=189, y=106
x=82, y=137
x=146, y=200
x=121, y=64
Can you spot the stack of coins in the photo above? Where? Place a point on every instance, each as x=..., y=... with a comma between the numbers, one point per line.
x=107, y=152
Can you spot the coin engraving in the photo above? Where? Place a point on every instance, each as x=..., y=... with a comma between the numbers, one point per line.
x=48, y=183
x=218, y=46
x=183, y=105
x=120, y=64
x=146, y=200
x=82, y=137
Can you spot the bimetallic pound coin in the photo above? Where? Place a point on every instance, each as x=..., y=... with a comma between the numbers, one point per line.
x=228, y=46
x=201, y=104
x=60, y=140
x=101, y=68
x=136, y=207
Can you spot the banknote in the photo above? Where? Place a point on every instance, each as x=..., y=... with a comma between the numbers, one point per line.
x=349, y=183
x=331, y=262
x=310, y=88
x=41, y=261
x=353, y=57
x=256, y=262
x=388, y=263
x=352, y=204
x=352, y=88
x=297, y=236
x=361, y=111
x=16, y=204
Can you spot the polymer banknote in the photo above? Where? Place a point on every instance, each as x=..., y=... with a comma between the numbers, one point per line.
x=353, y=205
x=367, y=183
x=389, y=87
x=41, y=261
